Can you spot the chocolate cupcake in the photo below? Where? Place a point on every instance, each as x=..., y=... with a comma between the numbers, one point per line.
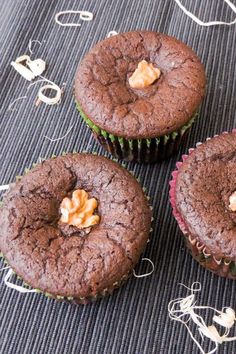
x=140, y=92
x=203, y=197
x=74, y=227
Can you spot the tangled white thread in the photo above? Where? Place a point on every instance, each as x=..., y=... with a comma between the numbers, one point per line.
x=83, y=15
x=27, y=68
x=30, y=69
x=146, y=274
x=210, y=23
x=184, y=309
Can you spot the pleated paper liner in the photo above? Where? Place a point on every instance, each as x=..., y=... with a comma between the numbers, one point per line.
x=139, y=150
x=221, y=266
x=74, y=300
x=70, y=299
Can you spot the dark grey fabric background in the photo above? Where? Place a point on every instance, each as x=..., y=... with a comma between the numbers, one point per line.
x=134, y=320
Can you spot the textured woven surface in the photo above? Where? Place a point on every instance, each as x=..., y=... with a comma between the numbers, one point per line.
x=134, y=319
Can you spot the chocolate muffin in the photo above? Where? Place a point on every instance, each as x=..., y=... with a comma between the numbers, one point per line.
x=75, y=226
x=140, y=92
x=203, y=197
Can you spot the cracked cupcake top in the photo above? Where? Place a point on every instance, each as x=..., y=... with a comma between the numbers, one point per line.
x=62, y=259
x=103, y=91
x=206, y=183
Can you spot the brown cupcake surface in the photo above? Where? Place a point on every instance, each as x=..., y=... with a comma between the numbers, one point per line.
x=205, y=182
x=61, y=259
x=102, y=85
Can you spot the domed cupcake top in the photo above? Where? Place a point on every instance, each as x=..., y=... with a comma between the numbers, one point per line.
x=205, y=195
x=63, y=258
x=104, y=93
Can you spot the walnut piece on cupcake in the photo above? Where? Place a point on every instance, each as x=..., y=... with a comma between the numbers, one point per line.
x=144, y=75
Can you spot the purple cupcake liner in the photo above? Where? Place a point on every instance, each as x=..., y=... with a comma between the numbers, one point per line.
x=221, y=266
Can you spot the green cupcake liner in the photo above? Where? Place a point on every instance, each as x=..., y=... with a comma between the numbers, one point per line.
x=70, y=299
x=139, y=150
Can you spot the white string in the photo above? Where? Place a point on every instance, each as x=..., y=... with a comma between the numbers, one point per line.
x=37, y=66
x=86, y=16
x=34, y=69
x=112, y=34
x=225, y=319
x=13, y=102
x=210, y=23
x=146, y=274
x=62, y=137
x=4, y=268
x=25, y=72
x=31, y=41
x=50, y=100
x=43, y=79
x=184, y=310
x=19, y=288
x=27, y=68
x=83, y=15
x=4, y=187
x=52, y=86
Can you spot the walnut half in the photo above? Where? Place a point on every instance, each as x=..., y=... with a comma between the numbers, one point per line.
x=144, y=75
x=78, y=211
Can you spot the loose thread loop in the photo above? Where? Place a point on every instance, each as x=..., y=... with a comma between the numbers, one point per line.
x=49, y=100
x=146, y=274
x=31, y=41
x=19, y=288
x=83, y=15
x=210, y=23
x=52, y=86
